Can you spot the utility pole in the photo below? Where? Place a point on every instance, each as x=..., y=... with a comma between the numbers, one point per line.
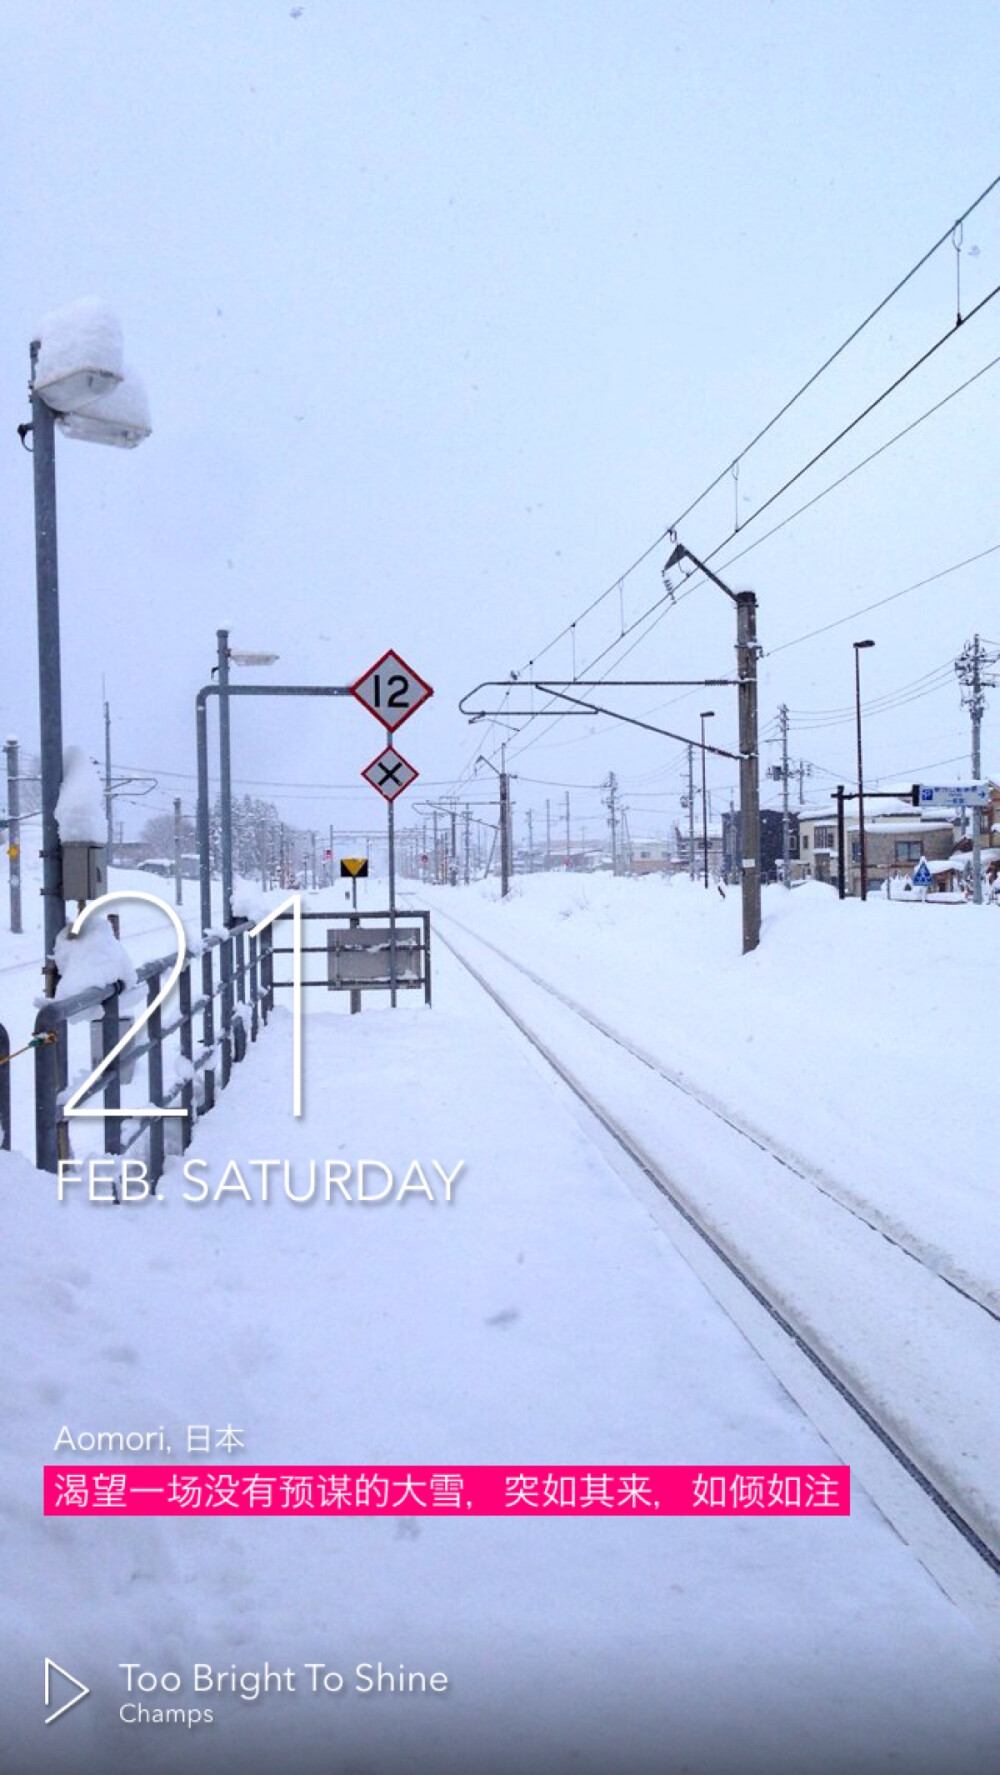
x=225, y=785
x=453, y=863
x=611, y=803
x=690, y=808
x=435, y=864
x=468, y=823
x=178, y=874
x=785, y=822
x=783, y=773
x=746, y=672
x=746, y=667
x=505, y=847
x=841, y=843
x=531, y=843
x=12, y=753
x=49, y=668
x=548, y=833
x=858, y=648
x=626, y=844
x=568, y=850
x=108, y=795
x=972, y=668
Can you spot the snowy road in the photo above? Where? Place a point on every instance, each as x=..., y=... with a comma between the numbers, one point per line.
x=542, y=1317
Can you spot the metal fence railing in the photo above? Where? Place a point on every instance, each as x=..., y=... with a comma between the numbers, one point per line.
x=4, y=1090
x=242, y=987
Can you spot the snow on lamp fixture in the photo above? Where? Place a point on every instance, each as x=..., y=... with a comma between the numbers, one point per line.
x=119, y=417
x=240, y=657
x=79, y=355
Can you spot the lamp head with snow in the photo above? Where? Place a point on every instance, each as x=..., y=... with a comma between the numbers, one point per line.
x=120, y=417
x=240, y=658
x=67, y=391
x=77, y=356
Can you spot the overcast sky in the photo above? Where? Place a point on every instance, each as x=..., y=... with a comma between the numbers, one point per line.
x=446, y=311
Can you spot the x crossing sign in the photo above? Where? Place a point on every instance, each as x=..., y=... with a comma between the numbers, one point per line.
x=390, y=773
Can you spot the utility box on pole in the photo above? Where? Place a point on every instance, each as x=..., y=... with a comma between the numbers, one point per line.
x=84, y=871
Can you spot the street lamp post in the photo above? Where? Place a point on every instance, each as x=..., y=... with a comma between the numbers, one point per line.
x=77, y=381
x=706, y=715
x=224, y=656
x=746, y=671
x=862, y=845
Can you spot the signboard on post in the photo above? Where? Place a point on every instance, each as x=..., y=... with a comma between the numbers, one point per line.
x=922, y=877
x=951, y=795
x=390, y=773
x=391, y=690
x=352, y=868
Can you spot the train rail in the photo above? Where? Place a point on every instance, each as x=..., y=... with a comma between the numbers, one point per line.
x=940, y=1488
x=930, y=1258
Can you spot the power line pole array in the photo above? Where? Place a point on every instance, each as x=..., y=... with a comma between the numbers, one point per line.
x=972, y=668
x=690, y=808
x=783, y=773
x=109, y=800
x=611, y=803
x=505, y=844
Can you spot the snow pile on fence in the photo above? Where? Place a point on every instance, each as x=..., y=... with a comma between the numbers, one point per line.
x=94, y=958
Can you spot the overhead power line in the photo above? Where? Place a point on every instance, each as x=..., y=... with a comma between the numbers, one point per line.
x=917, y=585
x=668, y=599
x=764, y=430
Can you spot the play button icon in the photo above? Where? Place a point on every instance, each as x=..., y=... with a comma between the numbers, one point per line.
x=50, y=1667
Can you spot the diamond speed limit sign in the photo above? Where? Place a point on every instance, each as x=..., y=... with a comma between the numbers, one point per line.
x=391, y=690
x=390, y=773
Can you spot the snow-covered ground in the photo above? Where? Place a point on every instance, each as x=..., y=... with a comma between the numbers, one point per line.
x=542, y=1317
x=857, y=1036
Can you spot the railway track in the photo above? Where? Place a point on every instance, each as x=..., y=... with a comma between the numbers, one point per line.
x=979, y=1533
x=22, y=967
x=904, y=1241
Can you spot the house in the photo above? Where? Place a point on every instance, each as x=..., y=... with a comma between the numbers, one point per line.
x=771, y=844
x=896, y=837
x=652, y=856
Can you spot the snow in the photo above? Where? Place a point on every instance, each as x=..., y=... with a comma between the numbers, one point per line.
x=544, y=1316
x=93, y=958
x=855, y=1240
x=84, y=335
x=80, y=811
x=848, y=1036
x=541, y=1317
x=249, y=901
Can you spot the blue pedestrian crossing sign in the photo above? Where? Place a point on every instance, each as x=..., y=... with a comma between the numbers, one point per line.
x=922, y=874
